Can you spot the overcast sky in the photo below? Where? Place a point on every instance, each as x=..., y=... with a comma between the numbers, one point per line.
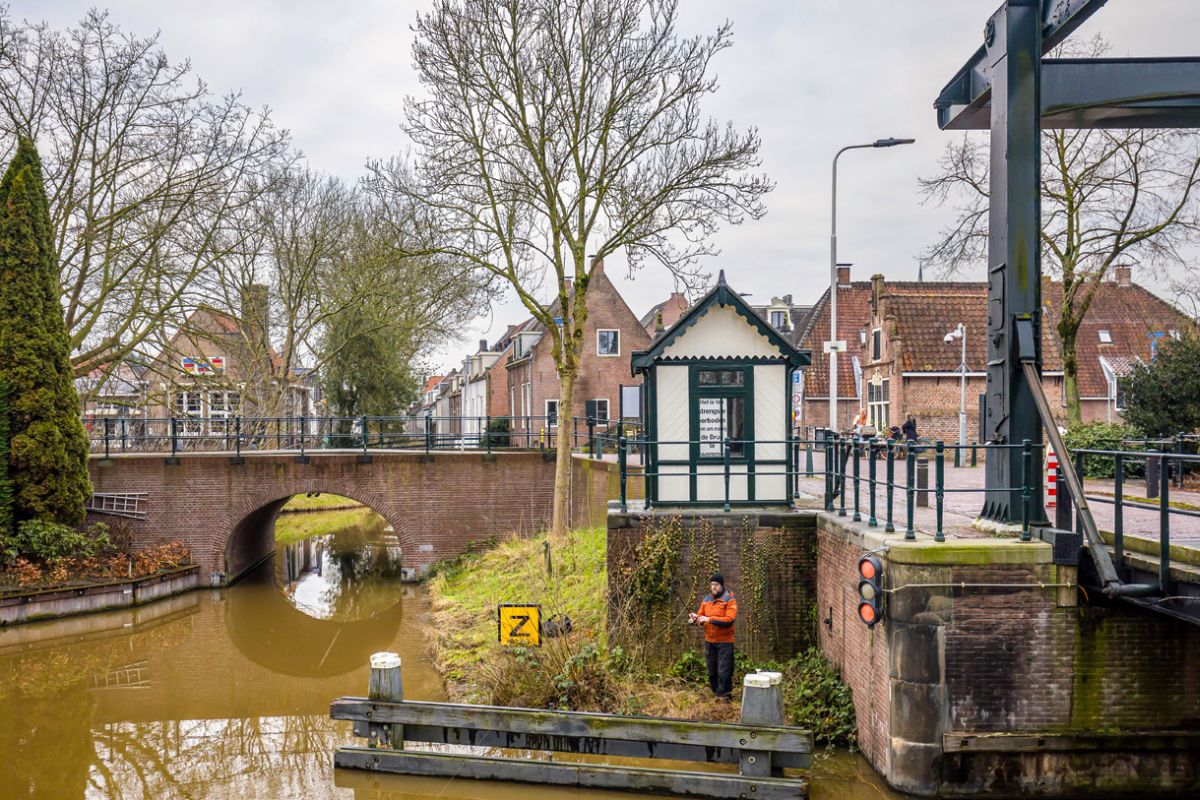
x=812, y=75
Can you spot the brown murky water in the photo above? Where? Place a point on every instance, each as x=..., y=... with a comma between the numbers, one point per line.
x=225, y=694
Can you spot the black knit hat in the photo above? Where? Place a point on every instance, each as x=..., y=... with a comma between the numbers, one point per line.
x=717, y=578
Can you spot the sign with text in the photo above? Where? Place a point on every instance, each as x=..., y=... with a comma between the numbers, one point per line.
x=520, y=625
x=712, y=425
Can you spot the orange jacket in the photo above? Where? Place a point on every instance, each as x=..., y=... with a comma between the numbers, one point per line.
x=722, y=612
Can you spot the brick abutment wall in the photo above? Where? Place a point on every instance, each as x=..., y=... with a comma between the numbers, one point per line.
x=440, y=505
x=986, y=679
x=768, y=561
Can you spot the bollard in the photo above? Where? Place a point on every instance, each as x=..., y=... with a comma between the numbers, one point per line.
x=923, y=480
x=386, y=684
x=808, y=464
x=762, y=704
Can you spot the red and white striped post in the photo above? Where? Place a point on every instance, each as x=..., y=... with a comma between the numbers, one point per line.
x=1051, y=478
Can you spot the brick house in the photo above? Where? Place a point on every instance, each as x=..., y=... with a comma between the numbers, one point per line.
x=209, y=371
x=529, y=392
x=898, y=361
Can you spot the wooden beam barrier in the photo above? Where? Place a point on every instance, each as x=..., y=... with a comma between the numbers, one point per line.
x=758, y=744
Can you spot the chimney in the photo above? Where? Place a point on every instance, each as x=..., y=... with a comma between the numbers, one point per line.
x=658, y=322
x=787, y=299
x=843, y=276
x=256, y=314
x=876, y=291
x=483, y=345
x=1124, y=275
x=597, y=266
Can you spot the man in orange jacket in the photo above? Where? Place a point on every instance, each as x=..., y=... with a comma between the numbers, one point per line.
x=717, y=613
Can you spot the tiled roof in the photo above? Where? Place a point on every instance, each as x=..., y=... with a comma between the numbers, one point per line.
x=1130, y=314
x=925, y=312
x=854, y=314
x=433, y=381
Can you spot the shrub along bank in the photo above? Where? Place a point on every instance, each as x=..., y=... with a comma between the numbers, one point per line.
x=581, y=670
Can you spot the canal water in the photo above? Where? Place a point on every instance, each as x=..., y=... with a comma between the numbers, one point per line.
x=225, y=693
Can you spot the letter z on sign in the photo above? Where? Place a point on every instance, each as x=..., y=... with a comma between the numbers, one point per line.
x=520, y=625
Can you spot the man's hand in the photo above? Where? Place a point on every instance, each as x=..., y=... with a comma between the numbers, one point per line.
x=701, y=620
x=692, y=618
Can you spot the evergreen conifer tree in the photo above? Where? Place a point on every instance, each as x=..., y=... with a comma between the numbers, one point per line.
x=48, y=447
x=6, y=495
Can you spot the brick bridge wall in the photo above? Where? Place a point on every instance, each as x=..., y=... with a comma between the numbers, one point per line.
x=438, y=504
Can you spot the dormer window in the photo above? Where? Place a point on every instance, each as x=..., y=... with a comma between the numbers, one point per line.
x=1105, y=337
x=778, y=320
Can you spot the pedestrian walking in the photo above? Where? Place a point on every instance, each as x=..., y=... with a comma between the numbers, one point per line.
x=717, y=613
x=909, y=429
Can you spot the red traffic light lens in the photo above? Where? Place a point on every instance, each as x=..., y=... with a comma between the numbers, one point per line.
x=868, y=568
x=867, y=613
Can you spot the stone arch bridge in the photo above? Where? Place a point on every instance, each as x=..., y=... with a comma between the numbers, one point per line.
x=223, y=506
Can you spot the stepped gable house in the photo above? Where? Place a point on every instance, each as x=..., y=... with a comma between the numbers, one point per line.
x=898, y=362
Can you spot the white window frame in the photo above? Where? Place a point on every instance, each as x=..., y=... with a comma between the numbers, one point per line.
x=1105, y=336
x=783, y=318
x=617, y=331
x=557, y=412
x=607, y=409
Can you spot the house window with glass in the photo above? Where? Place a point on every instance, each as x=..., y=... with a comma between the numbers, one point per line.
x=876, y=344
x=608, y=342
x=879, y=404
x=721, y=412
x=551, y=413
x=778, y=320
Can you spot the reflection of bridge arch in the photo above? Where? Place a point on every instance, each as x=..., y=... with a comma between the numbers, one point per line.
x=251, y=525
x=267, y=629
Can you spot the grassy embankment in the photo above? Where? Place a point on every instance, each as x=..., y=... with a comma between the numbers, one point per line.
x=581, y=671
x=330, y=515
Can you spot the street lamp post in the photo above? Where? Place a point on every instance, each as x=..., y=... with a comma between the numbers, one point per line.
x=833, y=339
x=960, y=333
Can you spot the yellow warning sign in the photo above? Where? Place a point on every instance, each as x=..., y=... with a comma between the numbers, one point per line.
x=520, y=625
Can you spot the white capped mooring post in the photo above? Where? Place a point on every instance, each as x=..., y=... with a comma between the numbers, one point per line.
x=762, y=704
x=386, y=684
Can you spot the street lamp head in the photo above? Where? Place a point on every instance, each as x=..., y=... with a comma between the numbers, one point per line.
x=948, y=338
x=891, y=142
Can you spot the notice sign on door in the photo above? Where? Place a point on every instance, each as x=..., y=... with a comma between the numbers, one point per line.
x=712, y=425
x=520, y=625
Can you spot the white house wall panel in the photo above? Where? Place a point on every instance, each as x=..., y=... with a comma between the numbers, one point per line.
x=721, y=331
x=770, y=412
x=710, y=483
x=674, y=483
x=672, y=404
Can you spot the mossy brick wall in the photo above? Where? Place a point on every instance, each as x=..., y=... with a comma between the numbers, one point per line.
x=439, y=504
x=768, y=561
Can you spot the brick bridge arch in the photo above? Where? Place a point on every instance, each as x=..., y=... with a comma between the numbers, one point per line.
x=438, y=504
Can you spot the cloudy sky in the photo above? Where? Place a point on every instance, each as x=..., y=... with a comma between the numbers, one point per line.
x=812, y=75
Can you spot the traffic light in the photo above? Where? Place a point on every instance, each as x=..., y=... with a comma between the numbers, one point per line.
x=870, y=590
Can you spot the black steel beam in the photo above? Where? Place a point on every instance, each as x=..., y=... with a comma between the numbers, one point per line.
x=968, y=89
x=1107, y=93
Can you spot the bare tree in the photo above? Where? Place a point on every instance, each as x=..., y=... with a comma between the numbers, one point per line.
x=558, y=132
x=145, y=172
x=1109, y=198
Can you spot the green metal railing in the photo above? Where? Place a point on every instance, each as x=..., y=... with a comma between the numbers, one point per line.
x=237, y=434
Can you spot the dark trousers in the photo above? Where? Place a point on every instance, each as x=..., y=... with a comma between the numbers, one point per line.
x=720, y=667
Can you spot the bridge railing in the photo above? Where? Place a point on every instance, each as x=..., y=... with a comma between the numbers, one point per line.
x=235, y=434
